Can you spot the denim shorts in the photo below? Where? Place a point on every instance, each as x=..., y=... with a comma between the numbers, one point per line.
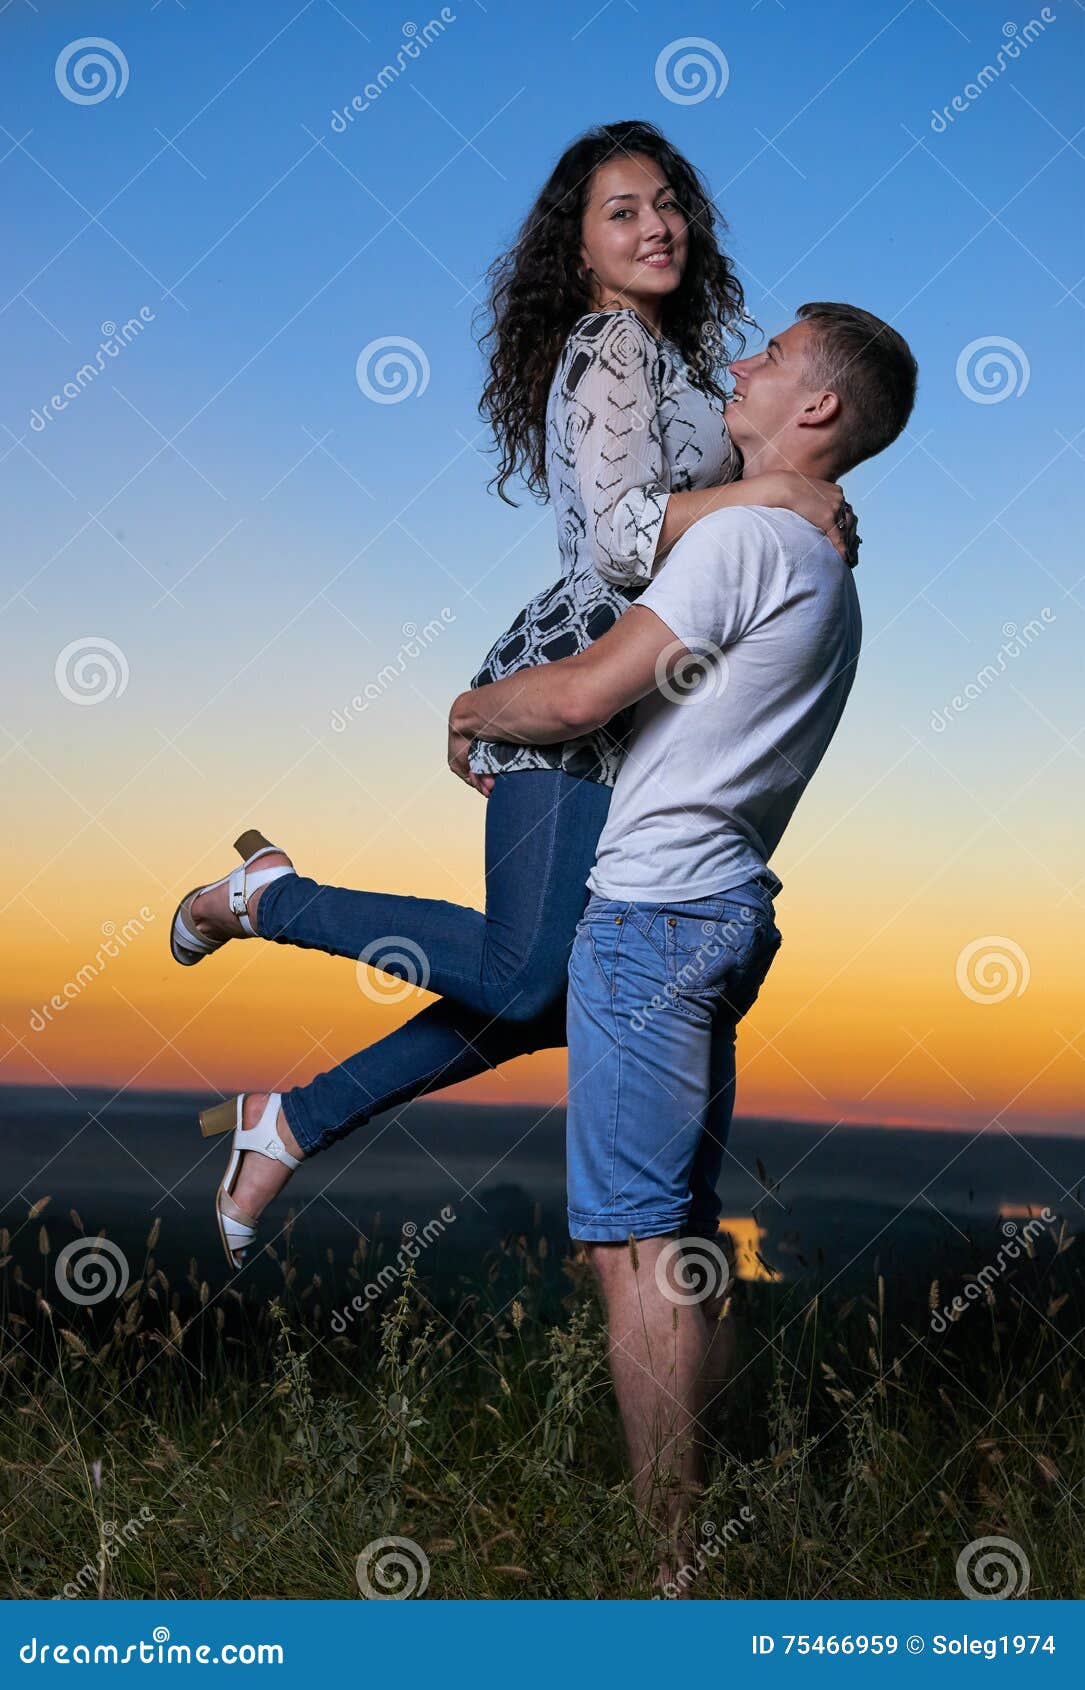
x=655, y=994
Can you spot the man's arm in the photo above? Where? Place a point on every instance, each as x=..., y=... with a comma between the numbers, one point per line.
x=558, y=701
x=707, y=597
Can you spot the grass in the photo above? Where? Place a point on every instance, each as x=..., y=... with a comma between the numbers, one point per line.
x=198, y=1440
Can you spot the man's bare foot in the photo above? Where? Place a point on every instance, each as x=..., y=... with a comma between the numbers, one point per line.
x=677, y=1571
x=212, y=916
x=259, y=1179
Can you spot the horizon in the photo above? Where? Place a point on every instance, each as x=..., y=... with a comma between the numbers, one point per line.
x=458, y=1097
x=231, y=534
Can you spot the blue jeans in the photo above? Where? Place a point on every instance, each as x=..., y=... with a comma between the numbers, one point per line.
x=655, y=994
x=502, y=974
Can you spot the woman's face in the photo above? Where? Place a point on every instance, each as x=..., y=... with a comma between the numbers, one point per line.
x=634, y=239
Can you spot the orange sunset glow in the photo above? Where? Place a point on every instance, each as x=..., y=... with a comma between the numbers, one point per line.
x=863, y=1017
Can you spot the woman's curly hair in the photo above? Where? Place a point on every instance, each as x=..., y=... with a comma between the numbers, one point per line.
x=537, y=294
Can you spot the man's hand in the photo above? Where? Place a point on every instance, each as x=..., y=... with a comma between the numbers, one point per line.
x=458, y=747
x=820, y=502
x=549, y=703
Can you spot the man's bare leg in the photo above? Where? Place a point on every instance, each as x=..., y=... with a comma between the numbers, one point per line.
x=657, y=1350
x=719, y=1359
x=722, y=1343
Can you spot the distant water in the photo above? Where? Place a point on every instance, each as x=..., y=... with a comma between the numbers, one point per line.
x=844, y=1197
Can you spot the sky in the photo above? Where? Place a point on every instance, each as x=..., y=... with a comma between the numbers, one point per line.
x=222, y=538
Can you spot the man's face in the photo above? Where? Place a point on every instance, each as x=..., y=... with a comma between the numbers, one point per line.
x=770, y=391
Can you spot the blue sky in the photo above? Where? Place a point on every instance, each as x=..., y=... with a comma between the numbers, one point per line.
x=819, y=148
x=299, y=526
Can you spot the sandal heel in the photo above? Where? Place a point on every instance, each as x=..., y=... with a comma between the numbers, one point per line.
x=251, y=840
x=222, y=1118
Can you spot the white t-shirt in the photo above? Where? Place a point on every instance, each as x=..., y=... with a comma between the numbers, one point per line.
x=716, y=766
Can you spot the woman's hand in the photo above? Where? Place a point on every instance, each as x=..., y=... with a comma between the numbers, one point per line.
x=458, y=747
x=820, y=502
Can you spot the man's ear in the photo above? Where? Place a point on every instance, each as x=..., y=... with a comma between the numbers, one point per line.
x=823, y=408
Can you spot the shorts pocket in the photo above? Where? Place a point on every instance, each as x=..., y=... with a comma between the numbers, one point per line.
x=594, y=947
x=719, y=957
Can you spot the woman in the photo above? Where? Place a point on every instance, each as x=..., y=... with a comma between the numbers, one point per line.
x=610, y=316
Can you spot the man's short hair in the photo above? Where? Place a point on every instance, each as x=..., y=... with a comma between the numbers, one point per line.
x=871, y=369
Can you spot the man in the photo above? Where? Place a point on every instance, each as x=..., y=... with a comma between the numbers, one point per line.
x=741, y=651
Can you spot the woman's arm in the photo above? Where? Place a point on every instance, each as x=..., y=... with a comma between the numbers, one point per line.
x=610, y=446
x=610, y=443
x=820, y=502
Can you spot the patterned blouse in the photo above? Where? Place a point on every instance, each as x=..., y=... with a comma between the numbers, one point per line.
x=624, y=429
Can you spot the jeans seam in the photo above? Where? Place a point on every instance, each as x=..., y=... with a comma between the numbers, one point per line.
x=612, y=1135
x=551, y=815
x=420, y=1080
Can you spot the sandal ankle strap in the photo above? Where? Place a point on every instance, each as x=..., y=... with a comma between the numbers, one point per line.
x=242, y=885
x=264, y=1138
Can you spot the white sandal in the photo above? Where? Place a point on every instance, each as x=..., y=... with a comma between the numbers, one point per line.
x=188, y=946
x=237, y=1229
